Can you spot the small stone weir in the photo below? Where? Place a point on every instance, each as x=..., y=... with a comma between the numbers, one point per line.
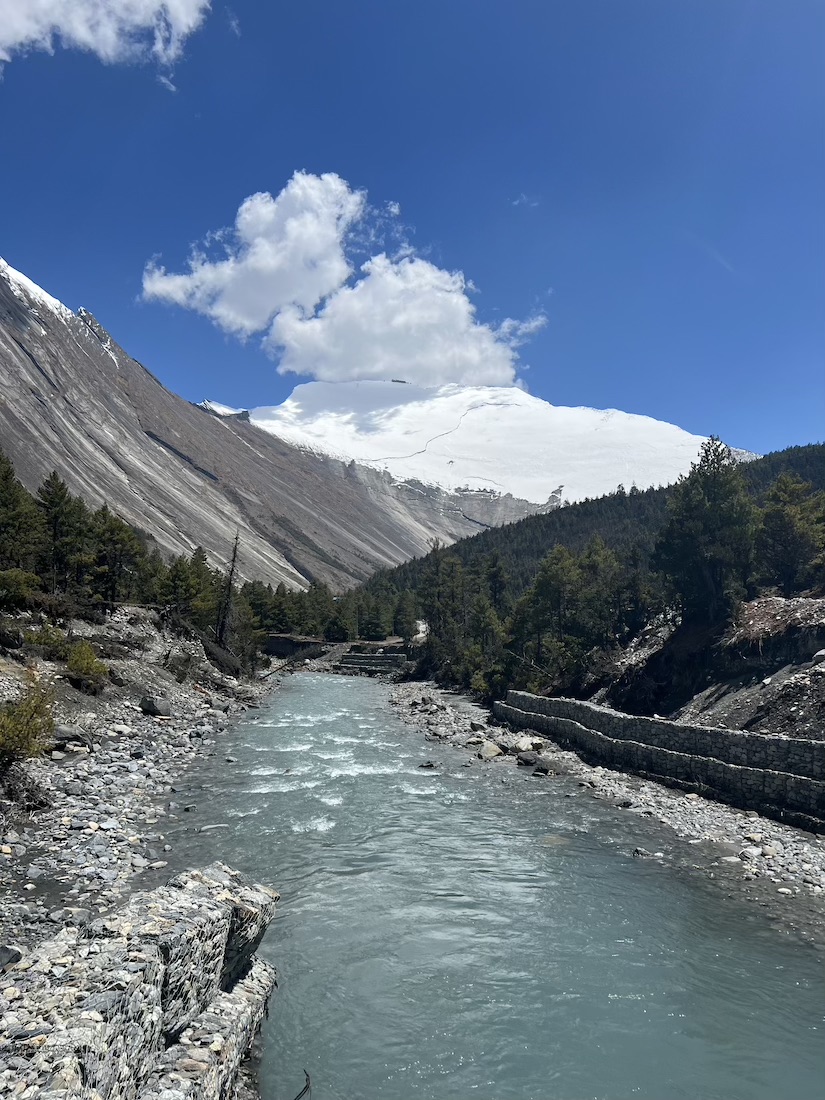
x=158, y=1001
x=372, y=663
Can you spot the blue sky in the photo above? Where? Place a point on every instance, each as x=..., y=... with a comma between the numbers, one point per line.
x=648, y=176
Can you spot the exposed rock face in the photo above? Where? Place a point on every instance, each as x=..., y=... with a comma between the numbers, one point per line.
x=74, y=401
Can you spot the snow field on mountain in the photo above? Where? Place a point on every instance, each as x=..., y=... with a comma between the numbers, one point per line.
x=482, y=437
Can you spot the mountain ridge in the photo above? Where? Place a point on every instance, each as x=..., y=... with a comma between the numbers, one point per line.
x=73, y=400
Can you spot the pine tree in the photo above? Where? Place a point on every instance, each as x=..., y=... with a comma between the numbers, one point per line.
x=179, y=588
x=404, y=620
x=790, y=534
x=64, y=518
x=497, y=582
x=706, y=546
x=601, y=576
x=21, y=528
x=117, y=551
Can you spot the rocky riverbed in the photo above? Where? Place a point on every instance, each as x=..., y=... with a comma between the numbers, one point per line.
x=777, y=866
x=110, y=782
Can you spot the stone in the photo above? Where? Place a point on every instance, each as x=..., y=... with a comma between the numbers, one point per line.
x=527, y=744
x=156, y=706
x=642, y=853
x=542, y=767
x=527, y=759
x=750, y=852
x=818, y=657
x=64, y=735
x=9, y=956
x=489, y=751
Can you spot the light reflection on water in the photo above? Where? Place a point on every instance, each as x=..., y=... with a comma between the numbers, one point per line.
x=471, y=932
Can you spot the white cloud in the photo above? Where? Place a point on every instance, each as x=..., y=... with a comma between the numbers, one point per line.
x=405, y=319
x=284, y=252
x=285, y=274
x=114, y=30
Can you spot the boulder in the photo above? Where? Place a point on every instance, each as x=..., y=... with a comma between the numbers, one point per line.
x=9, y=956
x=542, y=767
x=818, y=657
x=71, y=735
x=10, y=637
x=489, y=751
x=527, y=759
x=750, y=852
x=527, y=744
x=156, y=706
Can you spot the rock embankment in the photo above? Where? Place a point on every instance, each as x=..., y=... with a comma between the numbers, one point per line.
x=773, y=863
x=781, y=777
x=159, y=1000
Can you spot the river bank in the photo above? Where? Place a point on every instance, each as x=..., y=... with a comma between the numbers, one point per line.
x=468, y=930
x=111, y=785
x=776, y=866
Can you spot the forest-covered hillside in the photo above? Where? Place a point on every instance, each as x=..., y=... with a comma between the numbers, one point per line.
x=547, y=603
x=627, y=522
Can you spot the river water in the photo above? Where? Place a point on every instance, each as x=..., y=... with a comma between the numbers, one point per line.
x=475, y=933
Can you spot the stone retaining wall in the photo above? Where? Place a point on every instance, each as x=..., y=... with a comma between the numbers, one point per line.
x=781, y=777
x=158, y=1001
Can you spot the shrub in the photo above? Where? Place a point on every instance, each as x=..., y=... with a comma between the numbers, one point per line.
x=50, y=641
x=85, y=671
x=26, y=724
x=17, y=588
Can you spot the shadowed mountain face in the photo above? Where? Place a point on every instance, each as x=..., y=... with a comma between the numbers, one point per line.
x=72, y=400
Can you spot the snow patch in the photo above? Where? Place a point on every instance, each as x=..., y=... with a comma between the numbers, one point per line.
x=31, y=294
x=217, y=409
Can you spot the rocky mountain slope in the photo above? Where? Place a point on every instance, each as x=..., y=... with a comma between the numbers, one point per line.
x=497, y=438
x=74, y=401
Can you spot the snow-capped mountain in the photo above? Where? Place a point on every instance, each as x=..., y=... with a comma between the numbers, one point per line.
x=499, y=439
x=72, y=400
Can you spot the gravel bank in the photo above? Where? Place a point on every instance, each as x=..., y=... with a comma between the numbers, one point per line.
x=777, y=866
x=103, y=834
